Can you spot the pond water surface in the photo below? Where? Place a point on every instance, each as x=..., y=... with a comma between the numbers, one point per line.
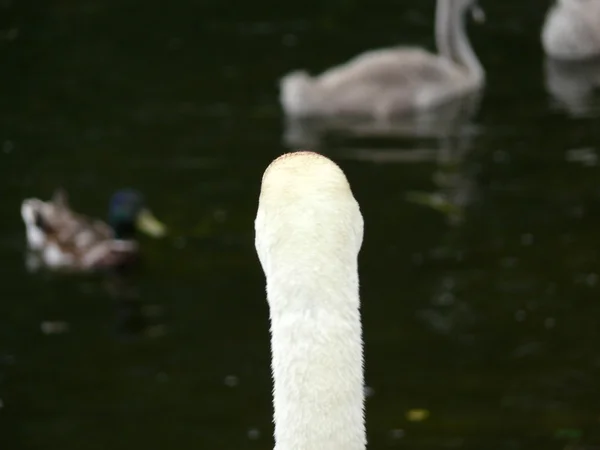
x=480, y=315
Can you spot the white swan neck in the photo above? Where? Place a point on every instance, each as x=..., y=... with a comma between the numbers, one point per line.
x=463, y=49
x=318, y=380
x=443, y=34
x=317, y=355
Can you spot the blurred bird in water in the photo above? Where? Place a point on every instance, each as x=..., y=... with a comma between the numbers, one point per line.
x=60, y=238
x=391, y=81
x=572, y=30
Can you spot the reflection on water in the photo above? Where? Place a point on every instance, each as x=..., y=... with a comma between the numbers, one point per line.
x=480, y=301
x=574, y=85
x=455, y=188
x=446, y=120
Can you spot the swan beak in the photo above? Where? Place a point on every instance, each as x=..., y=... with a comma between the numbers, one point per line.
x=149, y=224
x=477, y=13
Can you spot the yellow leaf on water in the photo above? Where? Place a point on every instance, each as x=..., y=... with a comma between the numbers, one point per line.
x=417, y=415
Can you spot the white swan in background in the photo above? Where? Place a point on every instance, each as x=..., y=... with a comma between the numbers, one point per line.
x=309, y=231
x=390, y=81
x=572, y=30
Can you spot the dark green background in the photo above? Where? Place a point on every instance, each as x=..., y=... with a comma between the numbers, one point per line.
x=491, y=326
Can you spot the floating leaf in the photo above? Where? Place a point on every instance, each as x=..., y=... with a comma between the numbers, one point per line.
x=433, y=200
x=417, y=415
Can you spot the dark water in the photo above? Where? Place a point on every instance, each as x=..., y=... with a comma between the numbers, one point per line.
x=483, y=313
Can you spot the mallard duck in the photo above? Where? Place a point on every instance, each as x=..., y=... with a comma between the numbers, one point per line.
x=63, y=239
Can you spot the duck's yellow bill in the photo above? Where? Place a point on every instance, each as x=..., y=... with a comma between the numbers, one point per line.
x=147, y=223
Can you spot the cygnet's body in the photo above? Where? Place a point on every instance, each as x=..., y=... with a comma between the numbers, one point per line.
x=390, y=81
x=309, y=231
x=572, y=30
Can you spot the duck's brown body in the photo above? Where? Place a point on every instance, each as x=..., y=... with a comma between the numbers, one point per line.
x=63, y=239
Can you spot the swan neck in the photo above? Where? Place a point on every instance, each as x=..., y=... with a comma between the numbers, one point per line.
x=443, y=22
x=465, y=55
x=317, y=356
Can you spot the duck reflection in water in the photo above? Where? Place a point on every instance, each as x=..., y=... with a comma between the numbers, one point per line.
x=133, y=317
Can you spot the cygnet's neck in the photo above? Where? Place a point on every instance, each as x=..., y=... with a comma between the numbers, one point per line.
x=462, y=48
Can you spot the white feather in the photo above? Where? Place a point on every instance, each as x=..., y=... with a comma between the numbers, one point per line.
x=36, y=238
x=53, y=256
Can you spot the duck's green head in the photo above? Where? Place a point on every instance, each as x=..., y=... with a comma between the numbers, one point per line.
x=128, y=213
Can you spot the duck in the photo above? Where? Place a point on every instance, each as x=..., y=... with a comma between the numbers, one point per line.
x=388, y=82
x=308, y=234
x=571, y=31
x=63, y=239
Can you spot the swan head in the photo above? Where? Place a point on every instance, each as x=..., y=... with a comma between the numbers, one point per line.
x=297, y=93
x=307, y=216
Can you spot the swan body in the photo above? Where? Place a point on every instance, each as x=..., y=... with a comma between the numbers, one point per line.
x=309, y=231
x=395, y=80
x=572, y=30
